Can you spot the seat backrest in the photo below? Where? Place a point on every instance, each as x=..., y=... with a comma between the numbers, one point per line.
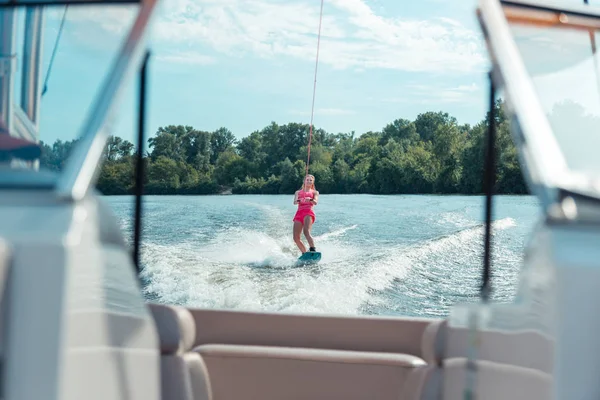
x=494, y=381
x=274, y=373
x=183, y=373
x=528, y=349
x=509, y=365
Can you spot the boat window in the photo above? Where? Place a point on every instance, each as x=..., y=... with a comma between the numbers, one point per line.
x=75, y=57
x=566, y=76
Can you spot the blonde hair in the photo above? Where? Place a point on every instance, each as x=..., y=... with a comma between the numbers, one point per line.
x=313, y=184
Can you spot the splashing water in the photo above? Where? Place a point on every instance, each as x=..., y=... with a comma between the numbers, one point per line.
x=409, y=255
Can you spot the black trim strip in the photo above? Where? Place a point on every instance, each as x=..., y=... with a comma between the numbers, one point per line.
x=139, y=170
x=488, y=184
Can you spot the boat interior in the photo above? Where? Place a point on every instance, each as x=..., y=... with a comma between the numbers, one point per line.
x=67, y=270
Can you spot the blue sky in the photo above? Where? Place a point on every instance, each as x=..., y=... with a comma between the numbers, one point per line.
x=242, y=64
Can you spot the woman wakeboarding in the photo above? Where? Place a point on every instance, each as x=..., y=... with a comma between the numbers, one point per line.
x=306, y=198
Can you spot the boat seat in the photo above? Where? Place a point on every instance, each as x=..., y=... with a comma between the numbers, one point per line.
x=274, y=373
x=183, y=373
x=340, y=332
x=525, y=348
x=510, y=365
x=493, y=381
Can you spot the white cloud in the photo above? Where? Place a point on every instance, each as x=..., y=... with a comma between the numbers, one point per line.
x=353, y=35
x=188, y=58
x=432, y=94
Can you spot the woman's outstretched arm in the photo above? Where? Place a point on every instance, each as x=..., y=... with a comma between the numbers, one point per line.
x=315, y=198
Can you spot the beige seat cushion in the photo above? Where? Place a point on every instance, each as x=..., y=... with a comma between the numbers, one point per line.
x=274, y=373
x=493, y=381
x=529, y=349
x=496, y=381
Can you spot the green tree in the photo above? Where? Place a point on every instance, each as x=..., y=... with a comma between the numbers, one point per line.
x=163, y=174
x=221, y=140
x=428, y=123
x=432, y=154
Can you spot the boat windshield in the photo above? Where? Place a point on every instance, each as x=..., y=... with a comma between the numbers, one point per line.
x=558, y=52
x=66, y=74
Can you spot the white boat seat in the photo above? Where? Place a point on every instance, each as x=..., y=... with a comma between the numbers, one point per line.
x=528, y=349
x=275, y=373
x=183, y=373
x=510, y=365
x=493, y=381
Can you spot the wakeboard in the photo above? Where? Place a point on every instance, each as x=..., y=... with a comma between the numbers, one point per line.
x=310, y=257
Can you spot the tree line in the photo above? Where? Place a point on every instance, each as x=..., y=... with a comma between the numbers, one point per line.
x=433, y=154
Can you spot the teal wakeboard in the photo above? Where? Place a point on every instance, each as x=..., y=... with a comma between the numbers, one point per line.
x=310, y=257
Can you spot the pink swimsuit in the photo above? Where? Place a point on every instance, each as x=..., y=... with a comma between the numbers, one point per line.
x=304, y=209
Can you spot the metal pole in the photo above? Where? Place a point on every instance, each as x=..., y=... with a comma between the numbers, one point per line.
x=139, y=173
x=489, y=183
